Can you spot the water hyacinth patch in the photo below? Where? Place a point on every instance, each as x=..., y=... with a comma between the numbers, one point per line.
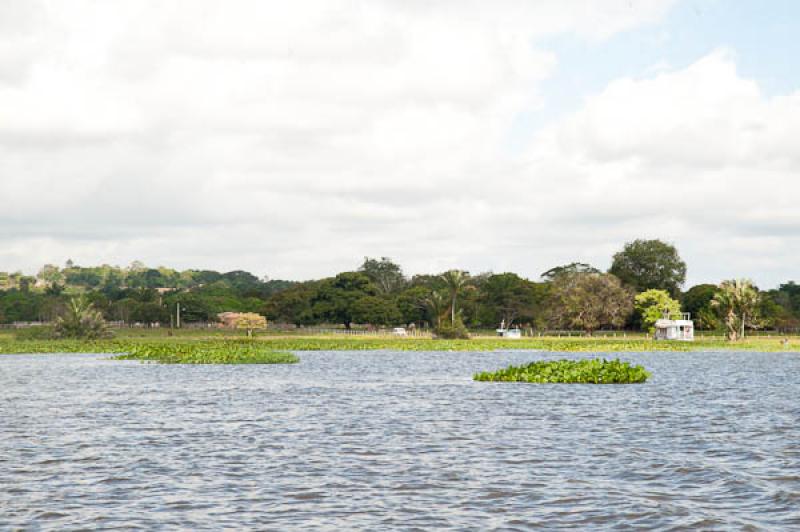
x=165, y=351
x=208, y=353
x=596, y=371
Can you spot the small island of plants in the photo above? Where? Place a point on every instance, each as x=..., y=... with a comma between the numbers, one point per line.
x=597, y=371
x=230, y=352
x=165, y=351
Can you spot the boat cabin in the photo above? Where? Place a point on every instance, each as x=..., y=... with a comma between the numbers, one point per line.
x=506, y=332
x=670, y=328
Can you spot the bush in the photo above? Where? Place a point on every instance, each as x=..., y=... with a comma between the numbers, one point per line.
x=447, y=331
x=81, y=321
x=597, y=371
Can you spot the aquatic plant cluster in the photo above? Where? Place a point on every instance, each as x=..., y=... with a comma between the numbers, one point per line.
x=596, y=371
x=208, y=353
x=167, y=352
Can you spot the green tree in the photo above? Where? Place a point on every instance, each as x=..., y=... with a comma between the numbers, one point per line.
x=51, y=275
x=697, y=302
x=293, y=305
x=387, y=276
x=455, y=282
x=646, y=264
x=654, y=304
x=568, y=269
x=411, y=304
x=250, y=321
x=590, y=301
x=737, y=302
x=81, y=320
x=335, y=299
x=508, y=298
x=149, y=312
x=375, y=310
x=437, y=305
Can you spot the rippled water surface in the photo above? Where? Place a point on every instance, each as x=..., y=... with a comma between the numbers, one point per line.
x=382, y=440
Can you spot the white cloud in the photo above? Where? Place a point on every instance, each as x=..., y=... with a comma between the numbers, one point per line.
x=293, y=138
x=697, y=155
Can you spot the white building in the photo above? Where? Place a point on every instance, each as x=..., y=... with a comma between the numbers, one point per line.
x=681, y=329
x=508, y=333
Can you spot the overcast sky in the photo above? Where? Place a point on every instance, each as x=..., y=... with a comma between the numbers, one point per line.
x=292, y=139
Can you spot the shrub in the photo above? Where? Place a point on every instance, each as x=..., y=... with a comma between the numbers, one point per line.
x=81, y=320
x=455, y=331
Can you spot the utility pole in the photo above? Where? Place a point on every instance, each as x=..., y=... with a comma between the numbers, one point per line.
x=179, y=315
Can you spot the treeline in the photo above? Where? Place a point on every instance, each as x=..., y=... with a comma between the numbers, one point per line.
x=646, y=279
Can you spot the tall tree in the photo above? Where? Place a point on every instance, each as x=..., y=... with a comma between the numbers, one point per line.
x=590, y=301
x=568, y=269
x=386, y=275
x=646, y=264
x=455, y=281
x=437, y=304
x=737, y=302
x=509, y=298
x=292, y=305
x=335, y=298
x=376, y=310
x=697, y=302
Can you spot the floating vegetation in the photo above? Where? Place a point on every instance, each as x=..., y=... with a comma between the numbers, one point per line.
x=597, y=371
x=166, y=352
x=208, y=353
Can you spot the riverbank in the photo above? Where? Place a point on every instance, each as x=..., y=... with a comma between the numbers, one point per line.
x=198, y=340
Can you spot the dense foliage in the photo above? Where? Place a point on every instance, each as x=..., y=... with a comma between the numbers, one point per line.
x=451, y=331
x=378, y=294
x=588, y=301
x=597, y=371
x=80, y=320
x=738, y=303
x=652, y=305
x=646, y=264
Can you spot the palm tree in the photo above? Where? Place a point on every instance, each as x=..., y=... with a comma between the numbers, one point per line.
x=737, y=303
x=455, y=281
x=436, y=303
x=81, y=320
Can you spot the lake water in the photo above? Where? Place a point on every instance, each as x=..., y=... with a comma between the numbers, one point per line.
x=380, y=440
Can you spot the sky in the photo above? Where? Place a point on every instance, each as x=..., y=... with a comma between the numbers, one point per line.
x=292, y=139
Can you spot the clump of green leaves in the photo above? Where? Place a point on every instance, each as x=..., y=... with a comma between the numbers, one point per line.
x=654, y=304
x=597, y=371
x=82, y=321
x=452, y=331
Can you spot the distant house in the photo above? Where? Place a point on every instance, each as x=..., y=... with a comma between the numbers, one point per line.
x=669, y=328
